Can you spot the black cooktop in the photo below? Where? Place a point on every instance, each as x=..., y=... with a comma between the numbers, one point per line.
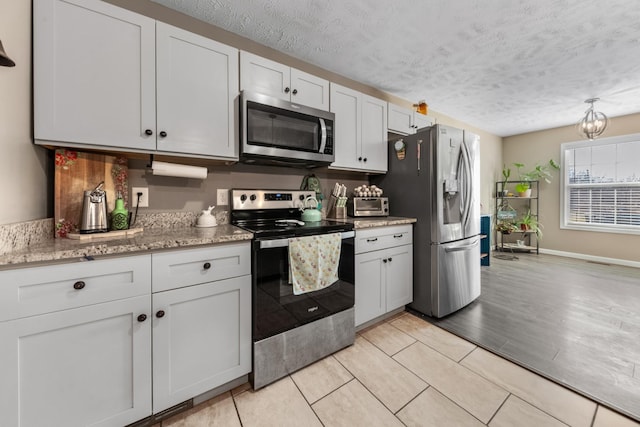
x=291, y=228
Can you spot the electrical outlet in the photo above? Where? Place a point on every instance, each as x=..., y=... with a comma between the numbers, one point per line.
x=144, y=199
x=223, y=197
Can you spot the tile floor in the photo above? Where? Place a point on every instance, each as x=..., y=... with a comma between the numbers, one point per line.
x=405, y=372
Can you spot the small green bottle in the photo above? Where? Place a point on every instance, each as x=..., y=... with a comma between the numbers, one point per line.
x=120, y=215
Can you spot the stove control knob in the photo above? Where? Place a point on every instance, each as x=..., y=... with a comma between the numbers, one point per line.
x=253, y=197
x=243, y=197
x=301, y=197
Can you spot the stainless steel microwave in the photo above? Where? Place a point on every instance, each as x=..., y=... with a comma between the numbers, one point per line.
x=282, y=132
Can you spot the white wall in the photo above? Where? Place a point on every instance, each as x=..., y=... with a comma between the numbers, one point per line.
x=23, y=166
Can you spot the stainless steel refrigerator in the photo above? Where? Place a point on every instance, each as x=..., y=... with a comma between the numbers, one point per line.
x=434, y=176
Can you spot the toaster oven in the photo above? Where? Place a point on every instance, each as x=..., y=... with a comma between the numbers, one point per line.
x=368, y=206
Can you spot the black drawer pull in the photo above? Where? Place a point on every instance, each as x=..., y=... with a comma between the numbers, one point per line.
x=160, y=314
x=390, y=259
x=286, y=90
x=295, y=91
x=142, y=318
x=384, y=260
x=397, y=236
x=148, y=132
x=207, y=265
x=79, y=285
x=375, y=239
x=163, y=134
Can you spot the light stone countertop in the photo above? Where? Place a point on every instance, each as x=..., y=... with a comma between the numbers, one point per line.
x=382, y=221
x=152, y=239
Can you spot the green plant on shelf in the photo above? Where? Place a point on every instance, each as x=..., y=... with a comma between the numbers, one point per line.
x=529, y=222
x=506, y=227
x=538, y=173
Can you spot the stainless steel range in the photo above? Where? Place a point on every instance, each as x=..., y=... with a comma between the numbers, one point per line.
x=291, y=331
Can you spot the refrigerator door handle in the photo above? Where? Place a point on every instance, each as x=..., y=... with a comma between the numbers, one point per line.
x=468, y=182
x=464, y=247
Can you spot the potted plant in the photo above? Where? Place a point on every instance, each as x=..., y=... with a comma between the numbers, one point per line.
x=506, y=227
x=506, y=173
x=539, y=172
x=530, y=223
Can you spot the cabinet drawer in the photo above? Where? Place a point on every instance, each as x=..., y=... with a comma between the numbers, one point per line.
x=177, y=269
x=383, y=237
x=37, y=290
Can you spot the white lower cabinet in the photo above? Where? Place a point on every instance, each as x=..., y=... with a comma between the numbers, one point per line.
x=76, y=339
x=202, y=320
x=201, y=339
x=383, y=270
x=78, y=367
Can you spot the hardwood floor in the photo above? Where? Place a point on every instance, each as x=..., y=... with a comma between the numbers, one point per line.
x=572, y=321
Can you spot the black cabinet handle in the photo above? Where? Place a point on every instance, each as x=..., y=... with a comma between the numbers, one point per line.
x=375, y=239
x=384, y=260
x=295, y=91
x=365, y=159
x=160, y=313
x=148, y=132
x=207, y=265
x=397, y=236
x=163, y=134
x=142, y=318
x=286, y=90
x=390, y=259
x=79, y=285
x=359, y=159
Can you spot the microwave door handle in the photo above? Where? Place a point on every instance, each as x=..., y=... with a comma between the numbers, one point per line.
x=323, y=133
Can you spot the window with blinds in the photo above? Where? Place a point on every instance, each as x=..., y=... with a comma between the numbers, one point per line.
x=602, y=184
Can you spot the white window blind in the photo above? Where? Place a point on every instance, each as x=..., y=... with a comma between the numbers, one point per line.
x=602, y=184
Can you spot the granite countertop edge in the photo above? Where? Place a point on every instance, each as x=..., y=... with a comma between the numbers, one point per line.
x=151, y=240
x=148, y=241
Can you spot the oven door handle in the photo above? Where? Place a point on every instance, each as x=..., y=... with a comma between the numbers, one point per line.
x=281, y=243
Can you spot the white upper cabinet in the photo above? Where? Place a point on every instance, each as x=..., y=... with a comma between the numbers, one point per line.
x=95, y=70
x=406, y=121
x=360, y=131
x=197, y=89
x=94, y=74
x=271, y=78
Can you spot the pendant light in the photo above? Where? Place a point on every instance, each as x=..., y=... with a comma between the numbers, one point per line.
x=5, y=61
x=593, y=123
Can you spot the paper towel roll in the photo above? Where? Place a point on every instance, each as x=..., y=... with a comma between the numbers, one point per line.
x=183, y=171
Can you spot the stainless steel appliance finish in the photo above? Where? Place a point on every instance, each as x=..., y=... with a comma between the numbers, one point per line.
x=281, y=132
x=368, y=206
x=94, y=211
x=437, y=182
x=291, y=331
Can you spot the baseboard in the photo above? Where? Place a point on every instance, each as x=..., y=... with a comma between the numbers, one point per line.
x=593, y=258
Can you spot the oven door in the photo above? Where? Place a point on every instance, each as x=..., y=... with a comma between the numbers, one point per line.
x=277, y=129
x=275, y=308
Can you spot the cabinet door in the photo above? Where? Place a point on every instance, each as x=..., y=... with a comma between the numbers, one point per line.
x=399, y=274
x=197, y=90
x=310, y=90
x=85, y=366
x=422, y=121
x=400, y=120
x=202, y=340
x=374, y=134
x=264, y=76
x=346, y=104
x=370, y=294
x=94, y=74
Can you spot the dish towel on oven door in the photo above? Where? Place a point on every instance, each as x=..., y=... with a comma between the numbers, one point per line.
x=313, y=262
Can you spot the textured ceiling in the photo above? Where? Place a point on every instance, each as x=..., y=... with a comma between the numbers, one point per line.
x=505, y=66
